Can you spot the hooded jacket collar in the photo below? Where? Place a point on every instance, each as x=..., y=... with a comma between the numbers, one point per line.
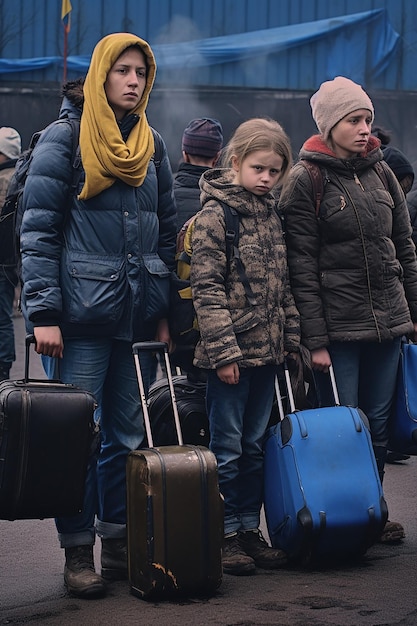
x=315, y=149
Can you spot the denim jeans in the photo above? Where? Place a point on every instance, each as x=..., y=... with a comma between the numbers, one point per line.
x=238, y=416
x=105, y=367
x=8, y=282
x=366, y=374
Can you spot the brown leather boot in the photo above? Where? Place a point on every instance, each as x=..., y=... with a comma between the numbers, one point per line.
x=393, y=533
x=80, y=576
x=234, y=560
x=114, y=559
x=253, y=544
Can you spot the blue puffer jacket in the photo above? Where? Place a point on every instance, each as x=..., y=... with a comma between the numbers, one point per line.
x=102, y=267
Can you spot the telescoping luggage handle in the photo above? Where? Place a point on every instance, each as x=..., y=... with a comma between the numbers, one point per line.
x=291, y=395
x=29, y=339
x=162, y=348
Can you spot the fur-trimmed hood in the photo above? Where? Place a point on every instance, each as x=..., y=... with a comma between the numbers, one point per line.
x=73, y=98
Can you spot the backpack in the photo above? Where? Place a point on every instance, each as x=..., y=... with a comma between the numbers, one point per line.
x=182, y=317
x=12, y=211
x=11, y=214
x=319, y=179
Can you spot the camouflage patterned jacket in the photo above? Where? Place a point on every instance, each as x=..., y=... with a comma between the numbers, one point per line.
x=231, y=329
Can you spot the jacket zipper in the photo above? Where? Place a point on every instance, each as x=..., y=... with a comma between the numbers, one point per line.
x=358, y=182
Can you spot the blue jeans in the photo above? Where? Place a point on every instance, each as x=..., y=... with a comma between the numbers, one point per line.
x=105, y=367
x=238, y=416
x=366, y=374
x=8, y=282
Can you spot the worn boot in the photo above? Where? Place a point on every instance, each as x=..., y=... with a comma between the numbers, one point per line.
x=80, y=576
x=393, y=533
x=114, y=559
x=255, y=546
x=235, y=561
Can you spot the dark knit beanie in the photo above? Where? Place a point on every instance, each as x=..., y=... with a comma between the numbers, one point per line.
x=203, y=137
x=400, y=165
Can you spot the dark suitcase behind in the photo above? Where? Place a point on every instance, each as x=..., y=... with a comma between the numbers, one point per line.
x=403, y=422
x=191, y=404
x=174, y=512
x=46, y=433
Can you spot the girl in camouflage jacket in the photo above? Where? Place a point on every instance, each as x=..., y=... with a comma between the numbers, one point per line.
x=242, y=343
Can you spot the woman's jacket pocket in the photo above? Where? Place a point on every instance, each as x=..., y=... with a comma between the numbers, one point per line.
x=155, y=301
x=97, y=288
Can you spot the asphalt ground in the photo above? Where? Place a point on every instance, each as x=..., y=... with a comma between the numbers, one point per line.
x=379, y=589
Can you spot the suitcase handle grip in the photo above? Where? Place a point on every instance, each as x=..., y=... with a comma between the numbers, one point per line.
x=150, y=346
x=162, y=348
x=28, y=341
x=290, y=392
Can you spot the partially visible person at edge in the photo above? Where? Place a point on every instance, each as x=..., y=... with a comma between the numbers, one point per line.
x=396, y=159
x=404, y=172
x=88, y=292
x=10, y=148
x=242, y=345
x=353, y=270
x=202, y=142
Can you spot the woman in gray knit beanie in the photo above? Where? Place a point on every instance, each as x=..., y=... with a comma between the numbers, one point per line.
x=352, y=262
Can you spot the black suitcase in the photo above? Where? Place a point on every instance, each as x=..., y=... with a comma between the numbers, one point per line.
x=191, y=405
x=46, y=434
x=174, y=511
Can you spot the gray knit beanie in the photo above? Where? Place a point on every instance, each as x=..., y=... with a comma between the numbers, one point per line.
x=10, y=142
x=334, y=100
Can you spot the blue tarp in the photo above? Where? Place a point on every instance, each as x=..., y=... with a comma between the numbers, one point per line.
x=365, y=40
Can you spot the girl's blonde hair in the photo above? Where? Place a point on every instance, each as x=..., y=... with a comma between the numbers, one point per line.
x=259, y=133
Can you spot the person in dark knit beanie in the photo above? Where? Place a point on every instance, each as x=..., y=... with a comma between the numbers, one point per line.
x=352, y=263
x=202, y=142
x=396, y=159
x=203, y=138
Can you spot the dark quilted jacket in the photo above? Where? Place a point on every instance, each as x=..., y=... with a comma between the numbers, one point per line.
x=187, y=191
x=353, y=268
x=89, y=269
x=231, y=329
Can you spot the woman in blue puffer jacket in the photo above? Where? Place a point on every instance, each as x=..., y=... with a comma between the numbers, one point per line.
x=96, y=277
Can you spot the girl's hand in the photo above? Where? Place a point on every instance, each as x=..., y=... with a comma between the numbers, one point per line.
x=48, y=341
x=320, y=360
x=229, y=374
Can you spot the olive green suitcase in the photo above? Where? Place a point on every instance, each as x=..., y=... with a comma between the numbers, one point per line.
x=174, y=511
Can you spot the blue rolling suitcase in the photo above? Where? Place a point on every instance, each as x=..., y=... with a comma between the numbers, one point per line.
x=403, y=422
x=323, y=497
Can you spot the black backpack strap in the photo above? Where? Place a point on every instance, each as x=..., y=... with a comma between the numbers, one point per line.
x=232, y=249
x=159, y=149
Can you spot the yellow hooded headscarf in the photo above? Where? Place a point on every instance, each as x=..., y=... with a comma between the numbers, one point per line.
x=104, y=153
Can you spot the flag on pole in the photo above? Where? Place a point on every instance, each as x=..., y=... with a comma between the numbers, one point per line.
x=66, y=14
